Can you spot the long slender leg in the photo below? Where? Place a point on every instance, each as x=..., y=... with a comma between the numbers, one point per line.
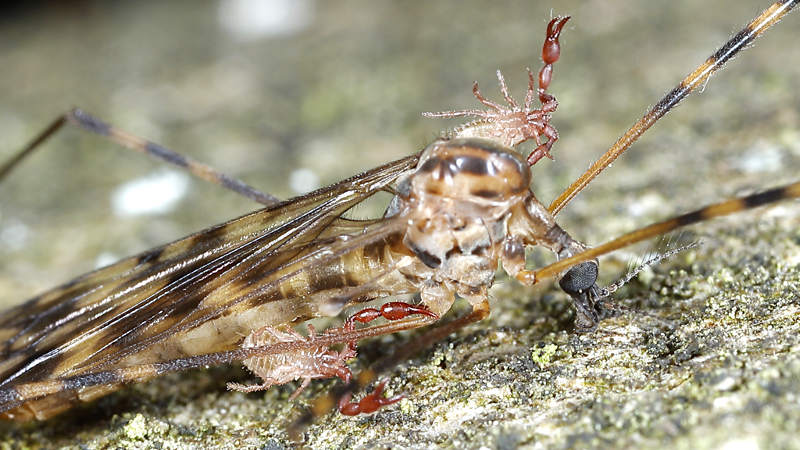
x=698, y=77
x=89, y=123
x=253, y=387
x=504, y=90
x=13, y=396
x=485, y=101
x=530, y=277
x=300, y=389
x=50, y=130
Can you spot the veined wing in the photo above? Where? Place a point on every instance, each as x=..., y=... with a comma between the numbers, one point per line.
x=119, y=311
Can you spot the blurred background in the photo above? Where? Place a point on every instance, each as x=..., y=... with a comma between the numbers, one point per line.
x=290, y=95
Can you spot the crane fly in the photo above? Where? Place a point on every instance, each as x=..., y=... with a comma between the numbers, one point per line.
x=461, y=206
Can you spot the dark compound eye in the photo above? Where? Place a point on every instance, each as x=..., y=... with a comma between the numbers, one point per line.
x=579, y=278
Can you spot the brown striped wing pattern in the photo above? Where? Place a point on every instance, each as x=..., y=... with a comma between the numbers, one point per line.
x=115, y=315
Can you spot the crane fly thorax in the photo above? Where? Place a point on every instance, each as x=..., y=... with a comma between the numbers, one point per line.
x=475, y=172
x=457, y=204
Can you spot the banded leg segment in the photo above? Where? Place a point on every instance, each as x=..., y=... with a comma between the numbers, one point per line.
x=89, y=123
x=698, y=77
x=530, y=277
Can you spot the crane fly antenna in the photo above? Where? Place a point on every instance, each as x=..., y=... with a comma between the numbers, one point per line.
x=648, y=262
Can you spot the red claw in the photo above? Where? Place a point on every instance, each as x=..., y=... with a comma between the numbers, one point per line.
x=551, y=49
x=389, y=311
x=369, y=404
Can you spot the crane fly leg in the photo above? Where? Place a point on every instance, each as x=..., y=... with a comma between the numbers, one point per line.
x=86, y=122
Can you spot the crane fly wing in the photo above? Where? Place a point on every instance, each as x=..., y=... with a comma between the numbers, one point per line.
x=44, y=398
x=112, y=316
